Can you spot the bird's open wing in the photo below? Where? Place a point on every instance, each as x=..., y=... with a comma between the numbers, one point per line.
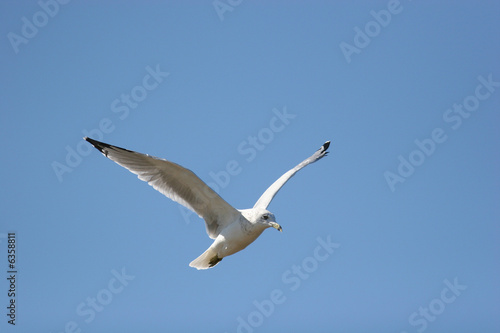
x=268, y=195
x=175, y=182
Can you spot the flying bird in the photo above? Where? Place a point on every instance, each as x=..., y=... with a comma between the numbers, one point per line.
x=232, y=229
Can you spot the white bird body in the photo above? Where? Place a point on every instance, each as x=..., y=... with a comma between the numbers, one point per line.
x=234, y=238
x=244, y=232
x=232, y=229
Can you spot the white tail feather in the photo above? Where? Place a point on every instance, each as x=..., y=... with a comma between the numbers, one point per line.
x=208, y=259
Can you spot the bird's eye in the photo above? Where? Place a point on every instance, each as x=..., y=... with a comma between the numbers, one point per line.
x=265, y=217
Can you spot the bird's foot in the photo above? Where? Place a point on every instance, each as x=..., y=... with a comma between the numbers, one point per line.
x=214, y=261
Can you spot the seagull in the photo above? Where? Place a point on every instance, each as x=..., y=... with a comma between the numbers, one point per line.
x=232, y=229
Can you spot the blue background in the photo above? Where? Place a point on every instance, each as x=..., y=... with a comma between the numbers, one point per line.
x=79, y=225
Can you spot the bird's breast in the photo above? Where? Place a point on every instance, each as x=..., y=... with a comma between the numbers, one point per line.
x=235, y=237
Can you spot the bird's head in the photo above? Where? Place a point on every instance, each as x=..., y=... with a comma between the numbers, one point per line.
x=261, y=217
x=267, y=218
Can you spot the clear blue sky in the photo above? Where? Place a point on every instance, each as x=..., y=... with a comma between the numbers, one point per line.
x=408, y=92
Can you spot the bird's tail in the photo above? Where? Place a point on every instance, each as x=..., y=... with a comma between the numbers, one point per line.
x=208, y=259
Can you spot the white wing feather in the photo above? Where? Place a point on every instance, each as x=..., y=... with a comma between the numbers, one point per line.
x=175, y=182
x=268, y=195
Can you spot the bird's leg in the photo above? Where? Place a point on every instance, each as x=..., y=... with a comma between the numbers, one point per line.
x=214, y=261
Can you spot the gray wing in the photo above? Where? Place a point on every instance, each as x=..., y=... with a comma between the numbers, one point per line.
x=177, y=183
x=268, y=195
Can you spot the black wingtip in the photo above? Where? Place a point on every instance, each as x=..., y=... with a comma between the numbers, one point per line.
x=104, y=147
x=326, y=145
x=97, y=144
